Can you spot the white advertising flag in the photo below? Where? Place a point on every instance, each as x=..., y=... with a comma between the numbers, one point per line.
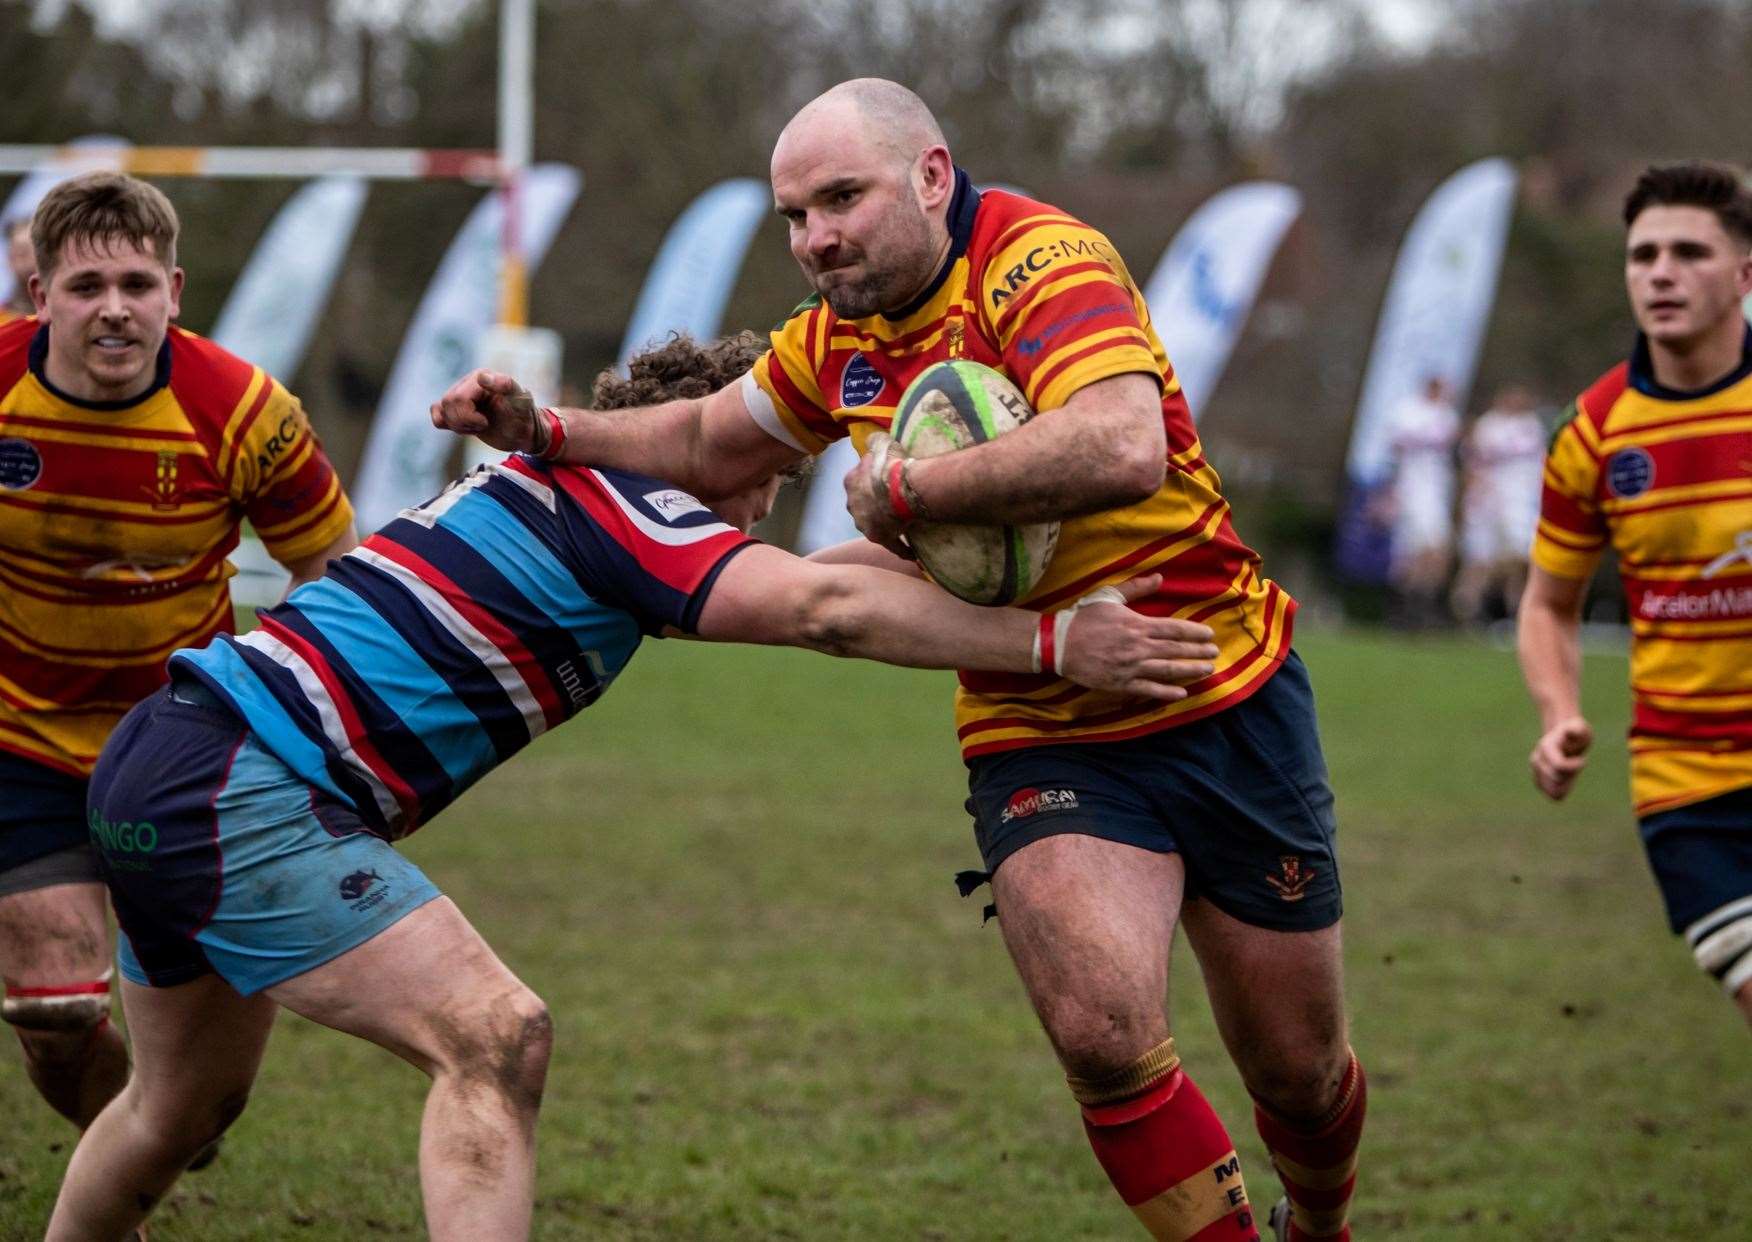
x=1438, y=304
x=272, y=309
x=696, y=267
x=404, y=457
x=1207, y=280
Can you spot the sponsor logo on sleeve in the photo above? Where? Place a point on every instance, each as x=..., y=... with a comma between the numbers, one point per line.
x=1630, y=472
x=1042, y=257
x=284, y=437
x=673, y=503
x=860, y=383
x=1031, y=345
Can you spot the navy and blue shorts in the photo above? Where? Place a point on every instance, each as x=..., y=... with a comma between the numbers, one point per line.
x=1241, y=795
x=42, y=811
x=220, y=859
x=1701, y=855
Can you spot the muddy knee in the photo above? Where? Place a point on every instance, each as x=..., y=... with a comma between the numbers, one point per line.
x=502, y=1046
x=1299, y=1087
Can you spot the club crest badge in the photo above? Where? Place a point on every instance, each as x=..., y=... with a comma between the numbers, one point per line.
x=1292, y=878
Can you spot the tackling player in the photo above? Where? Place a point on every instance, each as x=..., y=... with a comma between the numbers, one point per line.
x=244, y=815
x=1218, y=800
x=130, y=452
x=1656, y=459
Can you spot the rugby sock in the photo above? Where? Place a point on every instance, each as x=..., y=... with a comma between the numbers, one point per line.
x=1166, y=1152
x=1318, y=1163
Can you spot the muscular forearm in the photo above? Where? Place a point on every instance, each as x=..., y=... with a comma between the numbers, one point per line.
x=662, y=440
x=1549, y=645
x=858, y=610
x=1060, y=465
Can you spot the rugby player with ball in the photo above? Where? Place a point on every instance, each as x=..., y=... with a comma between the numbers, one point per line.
x=1212, y=811
x=243, y=817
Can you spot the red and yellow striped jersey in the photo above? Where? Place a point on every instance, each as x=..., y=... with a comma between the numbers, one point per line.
x=115, y=521
x=1666, y=478
x=1047, y=300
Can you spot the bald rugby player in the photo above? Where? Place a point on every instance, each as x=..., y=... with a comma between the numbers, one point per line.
x=1212, y=811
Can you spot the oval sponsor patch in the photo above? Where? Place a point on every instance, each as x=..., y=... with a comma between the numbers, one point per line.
x=859, y=383
x=1630, y=472
x=20, y=464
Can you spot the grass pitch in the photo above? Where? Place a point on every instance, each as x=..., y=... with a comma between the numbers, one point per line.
x=731, y=881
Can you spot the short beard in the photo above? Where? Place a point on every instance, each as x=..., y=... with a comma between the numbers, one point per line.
x=890, y=287
x=857, y=301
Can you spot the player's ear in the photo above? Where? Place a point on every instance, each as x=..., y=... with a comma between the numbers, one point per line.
x=176, y=288
x=936, y=176
x=1743, y=281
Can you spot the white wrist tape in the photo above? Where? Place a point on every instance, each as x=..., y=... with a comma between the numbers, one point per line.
x=1061, y=627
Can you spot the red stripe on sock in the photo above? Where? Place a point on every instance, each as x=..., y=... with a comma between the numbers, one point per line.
x=1158, y=1140
x=69, y=989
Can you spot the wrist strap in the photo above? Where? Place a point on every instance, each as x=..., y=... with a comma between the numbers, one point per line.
x=1052, y=636
x=1046, y=640
x=897, y=498
x=555, y=427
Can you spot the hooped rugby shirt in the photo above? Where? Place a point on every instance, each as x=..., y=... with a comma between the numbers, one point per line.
x=1047, y=300
x=466, y=628
x=1665, y=477
x=115, y=522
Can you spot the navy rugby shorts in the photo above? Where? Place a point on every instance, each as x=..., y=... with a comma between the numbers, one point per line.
x=220, y=859
x=1241, y=795
x=1701, y=855
x=42, y=812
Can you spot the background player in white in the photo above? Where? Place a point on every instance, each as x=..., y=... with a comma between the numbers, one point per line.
x=1503, y=455
x=1425, y=428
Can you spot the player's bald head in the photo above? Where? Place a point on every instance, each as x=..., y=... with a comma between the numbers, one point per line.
x=884, y=116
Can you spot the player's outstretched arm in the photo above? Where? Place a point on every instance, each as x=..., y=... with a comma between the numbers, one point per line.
x=765, y=595
x=710, y=446
x=1548, y=640
x=863, y=552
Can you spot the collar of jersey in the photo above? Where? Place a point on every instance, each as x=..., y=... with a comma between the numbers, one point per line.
x=1642, y=373
x=963, y=206
x=39, y=353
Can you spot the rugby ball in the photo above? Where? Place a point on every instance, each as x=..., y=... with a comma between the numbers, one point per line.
x=956, y=405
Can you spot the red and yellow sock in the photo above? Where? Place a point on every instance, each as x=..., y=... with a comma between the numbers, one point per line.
x=1318, y=1163
x=1166, y=1152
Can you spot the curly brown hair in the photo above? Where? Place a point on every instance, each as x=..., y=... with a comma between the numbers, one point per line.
x=679, y=369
